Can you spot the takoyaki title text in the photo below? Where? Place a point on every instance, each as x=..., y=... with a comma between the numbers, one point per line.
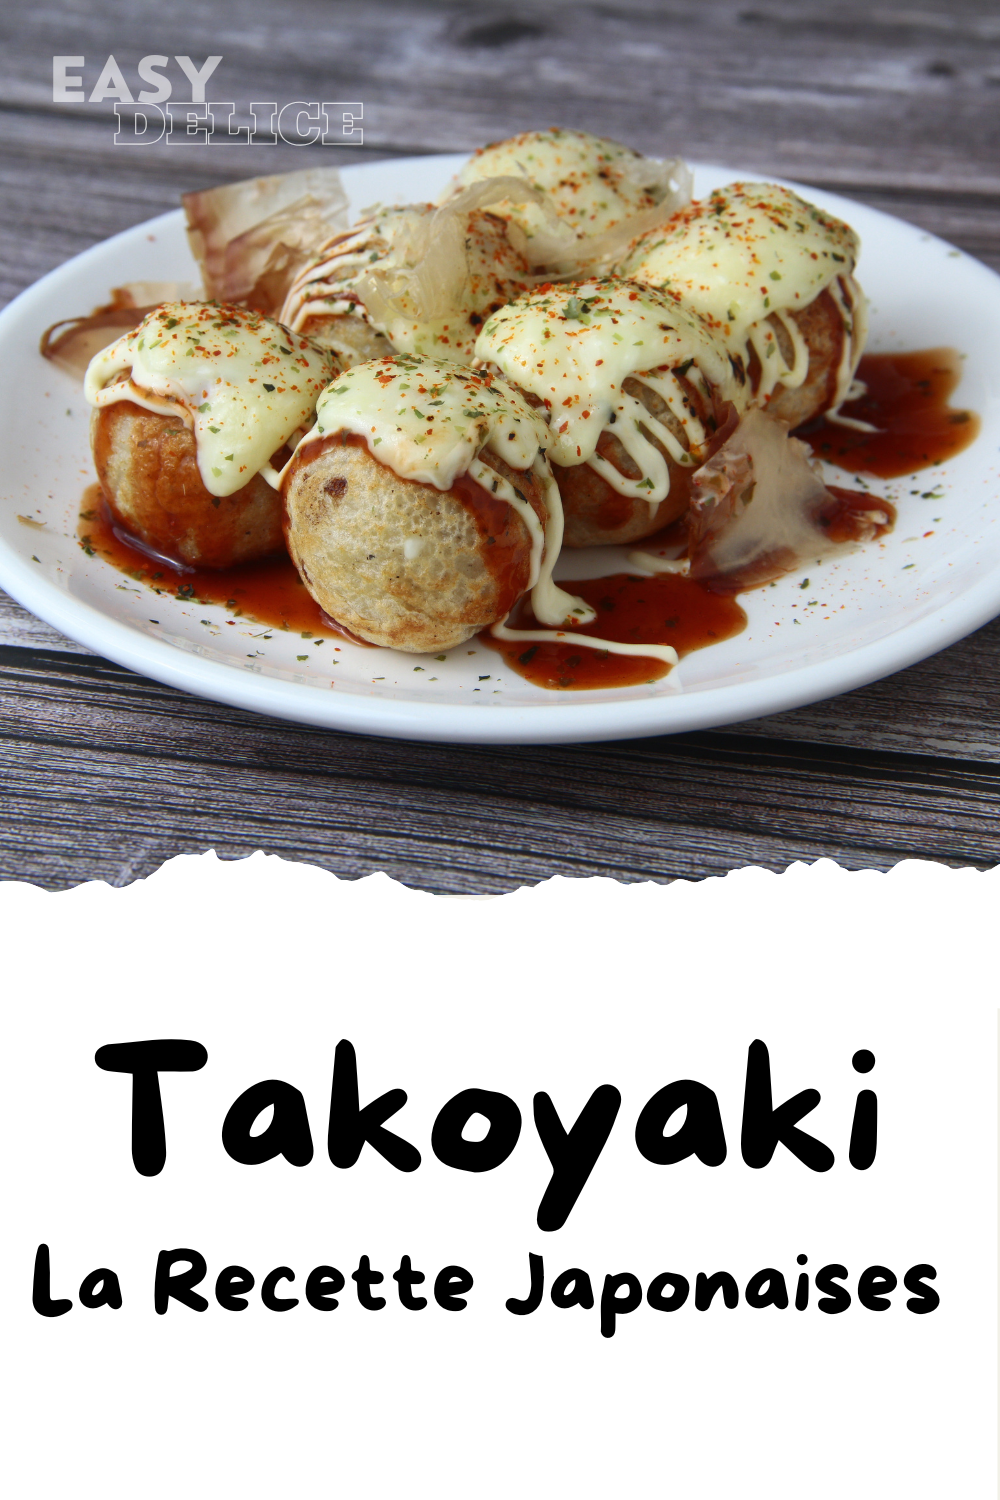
x=458, y=1140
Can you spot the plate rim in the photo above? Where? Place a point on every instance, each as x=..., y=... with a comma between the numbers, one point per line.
x=559, y=719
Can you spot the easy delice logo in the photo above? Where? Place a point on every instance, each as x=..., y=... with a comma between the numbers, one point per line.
x=144, y=115
x=681, y=1120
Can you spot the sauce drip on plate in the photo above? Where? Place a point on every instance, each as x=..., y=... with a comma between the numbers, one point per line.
x=667, y=610
x=907, y=400
x=269, y=591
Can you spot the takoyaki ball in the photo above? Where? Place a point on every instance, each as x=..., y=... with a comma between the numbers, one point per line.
x=401, y=563
x=631, y=384
x=194, y=411
x=773, y=275
x=418, y=279
x=325, y=300
x=147, y=465
x=591, y=183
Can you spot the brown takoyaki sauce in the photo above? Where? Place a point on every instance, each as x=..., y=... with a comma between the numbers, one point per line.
x=666, y=610
x=269, y=591
x=907, y=400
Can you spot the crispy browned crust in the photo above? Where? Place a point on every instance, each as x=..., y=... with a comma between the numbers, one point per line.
x=349, y=519
x=147, y=467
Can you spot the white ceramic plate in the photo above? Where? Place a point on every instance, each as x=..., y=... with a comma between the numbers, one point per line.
x=876, y=609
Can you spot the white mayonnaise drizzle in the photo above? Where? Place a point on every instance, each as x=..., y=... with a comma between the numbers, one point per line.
x=651, y=563
x=324, y=285
x=242, y=383
x=425, y=277
x=573, y=346
x=571, y=638
x=751, y=254
x=429, y=421
x=773, y=369
x=853, y=306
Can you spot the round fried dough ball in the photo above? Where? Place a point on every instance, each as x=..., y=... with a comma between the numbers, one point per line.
x=591, y=183
x=752, y=258
x=597, y=515
x=400, y=563
x=147, y=465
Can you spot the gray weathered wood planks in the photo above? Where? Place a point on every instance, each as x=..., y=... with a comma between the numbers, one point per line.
x=106, y=775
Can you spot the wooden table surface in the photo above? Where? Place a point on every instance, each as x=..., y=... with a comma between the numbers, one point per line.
x=105, y=774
